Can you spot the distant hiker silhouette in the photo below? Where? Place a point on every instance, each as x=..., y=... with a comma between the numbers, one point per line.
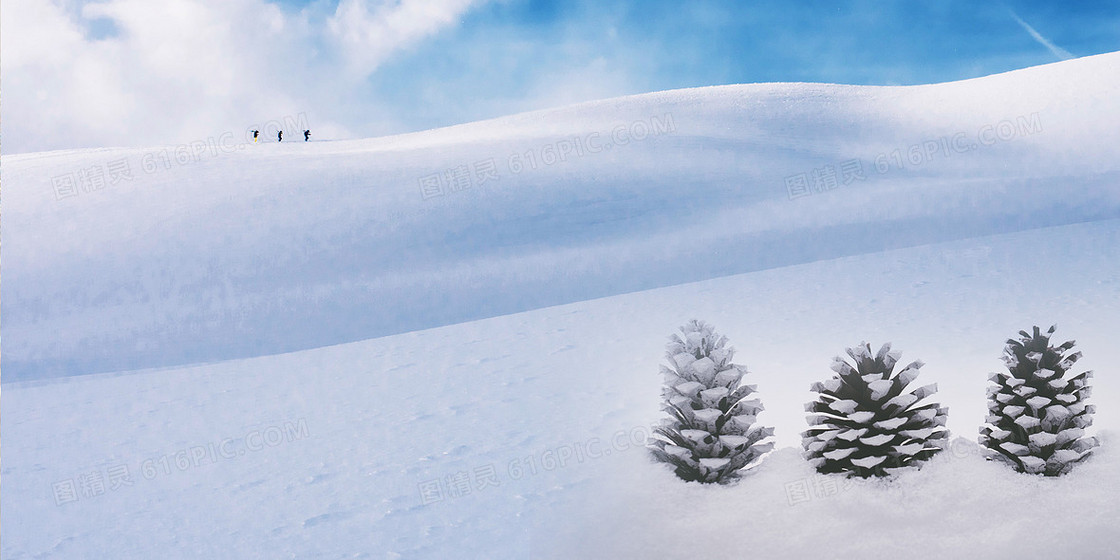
x=306, y=135
x=255, y=134
x=279, y=135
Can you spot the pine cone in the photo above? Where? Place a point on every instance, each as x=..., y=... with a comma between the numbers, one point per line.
x=1036, y=416
x=865, y=423
x=710, y=434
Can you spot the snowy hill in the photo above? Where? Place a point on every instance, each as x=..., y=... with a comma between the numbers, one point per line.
x=278, y=247
x=358, y=450
x=517, y=433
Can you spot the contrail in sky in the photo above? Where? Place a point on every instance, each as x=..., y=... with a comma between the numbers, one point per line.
x=1058, y=51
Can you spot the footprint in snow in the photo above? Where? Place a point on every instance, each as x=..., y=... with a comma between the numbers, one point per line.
x=325, y=518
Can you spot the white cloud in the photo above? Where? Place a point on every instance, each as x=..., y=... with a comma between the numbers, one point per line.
x=182, y=70
x=369, y=32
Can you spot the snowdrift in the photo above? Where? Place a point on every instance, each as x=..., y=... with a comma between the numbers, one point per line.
x=126, y=258
x=521, y=436
x=505, y=418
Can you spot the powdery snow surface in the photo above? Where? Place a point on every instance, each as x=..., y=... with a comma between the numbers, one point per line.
x=281, y=247
x=541, y=414
x=519, y=435
x=957, y=506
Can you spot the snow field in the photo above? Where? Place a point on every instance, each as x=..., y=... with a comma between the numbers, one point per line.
x=282, y=247
x=497, y=397
x=300, y=351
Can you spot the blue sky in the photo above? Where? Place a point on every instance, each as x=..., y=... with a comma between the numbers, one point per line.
x=182, y=69
x=498, y=50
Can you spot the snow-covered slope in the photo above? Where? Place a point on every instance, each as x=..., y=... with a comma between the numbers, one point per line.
x=325, y=453
x=518, y=433
x=217, y=251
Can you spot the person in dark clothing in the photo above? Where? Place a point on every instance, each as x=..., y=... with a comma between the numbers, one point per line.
x=306, y=135
x=255, y=134
x=279, y=135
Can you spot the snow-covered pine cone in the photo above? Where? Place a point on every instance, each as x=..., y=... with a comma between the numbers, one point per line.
x=865, y=423
x=711, y=433
x=1036, y=415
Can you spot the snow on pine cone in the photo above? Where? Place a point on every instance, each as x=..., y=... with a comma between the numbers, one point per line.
x=865, y=423
x=1036, y=416
x=711, y=434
